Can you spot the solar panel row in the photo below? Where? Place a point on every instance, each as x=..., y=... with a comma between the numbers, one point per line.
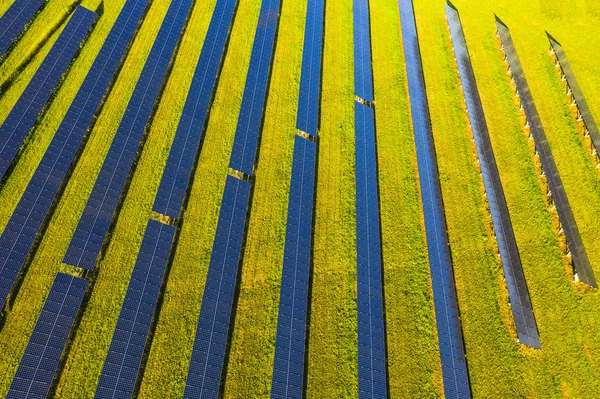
x=14, y=21
x=290, y=348
x=372, y=364
x=310, y=79
x=43, y=352
x=24, y=114
x=176, y=176
x=122, y=363
x=25, y=223
x=100, y=208
x=243, y=155
x=290, y=343
x=518, y=292
x=563, y=208
x=454, y=367
x=582, y=105
x=208, y=355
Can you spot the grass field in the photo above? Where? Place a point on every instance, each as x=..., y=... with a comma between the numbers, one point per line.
x=568, y=365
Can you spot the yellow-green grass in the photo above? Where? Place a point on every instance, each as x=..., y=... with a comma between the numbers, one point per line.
x=250, y=363
x=169, y=357
x=498, y=367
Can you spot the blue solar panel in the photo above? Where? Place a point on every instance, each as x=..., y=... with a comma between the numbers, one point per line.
x=372, y=372
x=208, y=355
x=176, y=176
x=47, y=342
x=27, y=109
x=100, y=208
x=288, y=367
x=363, y=73
x=255, y=93
x=124, y=357
x=34, y=206
x=561, y=201
x=454, y=367
x=14, y=21
x=507, y=245
x=310, y=79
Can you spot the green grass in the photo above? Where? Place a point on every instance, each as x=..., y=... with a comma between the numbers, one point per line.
x=567, y=315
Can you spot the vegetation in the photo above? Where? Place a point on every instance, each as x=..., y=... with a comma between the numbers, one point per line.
x=567, y=314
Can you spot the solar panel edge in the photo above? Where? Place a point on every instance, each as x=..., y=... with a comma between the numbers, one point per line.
x=581, y=261
x=440, y=259
x=507, y=245
x=16, y=38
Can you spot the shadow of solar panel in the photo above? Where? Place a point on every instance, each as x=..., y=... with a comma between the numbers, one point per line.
x=245, y=143
x=208, y=355
x=100, y=208
x=454, y=367
x=124, y=357
x=582, y=105
x=372, y=372
x=14, y=21
x=176, y=176
x=363, y=74
x=288, y=367
x=563, y=208
x=507, y=245
x=22, y=117
x=42, y=354
x=310, y=79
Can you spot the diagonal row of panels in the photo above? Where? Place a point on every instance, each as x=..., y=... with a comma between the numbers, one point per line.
x=581, y=261
x=518, y=292
x=15, y=20
x=452, y=352
x=86, y=243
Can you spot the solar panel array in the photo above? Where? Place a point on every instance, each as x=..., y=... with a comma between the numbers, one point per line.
x=25, y=223
x=454, y=367
x=582, y=105
x=372, y=363
x=212, y=332
x=243, y=154
x=518, y=292
x=100, y=208
x=122, y=363
x=208, y=355
x=563, y=208
x=24, y=114
x=310, y=79
x=290, y=343
x=176, y=176
x=14, y=21
x=43, y=352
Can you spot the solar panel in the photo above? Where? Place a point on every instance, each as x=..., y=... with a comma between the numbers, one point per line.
x=454, y=367
x=245, y=143
x=176, y=176
x=563, y=208
x=310, y=79
x=290, y=349
x=100, y=208
x=25, y=223
x=582, y=105
x=24, y=114
x=15, y=20
x=47, y=342
x=521, y=307
x=208, y=355
x=122, y=363
x=363, y=74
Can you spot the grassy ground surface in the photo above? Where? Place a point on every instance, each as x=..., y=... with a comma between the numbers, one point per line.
x=567, y=315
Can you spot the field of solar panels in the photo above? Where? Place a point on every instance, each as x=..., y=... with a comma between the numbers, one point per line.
x=299, y=199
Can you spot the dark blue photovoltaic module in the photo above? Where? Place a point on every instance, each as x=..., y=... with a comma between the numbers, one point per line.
x=14, y=21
